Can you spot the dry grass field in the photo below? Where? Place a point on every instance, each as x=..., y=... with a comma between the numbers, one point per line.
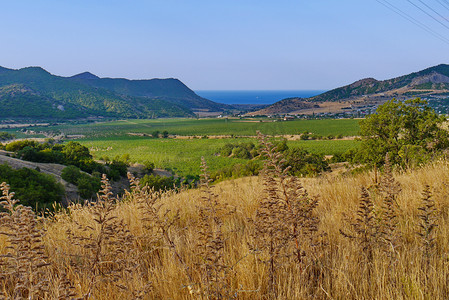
x=268, y=237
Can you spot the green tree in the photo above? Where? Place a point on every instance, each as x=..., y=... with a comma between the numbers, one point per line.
x=158, y=183
x=155, y=134
x=395, y=127
x=71, y=174
x=149, y=166
x=303, y=163
x=75, y=153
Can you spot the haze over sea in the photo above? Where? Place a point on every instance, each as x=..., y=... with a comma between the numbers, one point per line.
x=254, y=97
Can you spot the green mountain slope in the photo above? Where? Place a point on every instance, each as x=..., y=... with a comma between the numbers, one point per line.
x=35, y=93
x=19, y=101
x=170, y=89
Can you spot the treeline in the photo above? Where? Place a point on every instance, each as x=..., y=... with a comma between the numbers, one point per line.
x=4, y=136
x=70, y=154
x=81, y=169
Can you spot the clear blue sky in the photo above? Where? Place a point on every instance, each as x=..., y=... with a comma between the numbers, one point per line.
x=208, y=44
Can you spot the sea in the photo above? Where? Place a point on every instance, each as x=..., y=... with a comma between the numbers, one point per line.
x=254, y=97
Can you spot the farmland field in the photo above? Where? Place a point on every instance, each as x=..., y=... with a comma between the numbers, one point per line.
x=183, y=156
x=190, y=127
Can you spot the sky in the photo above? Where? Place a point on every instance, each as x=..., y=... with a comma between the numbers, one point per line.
x=226, y=45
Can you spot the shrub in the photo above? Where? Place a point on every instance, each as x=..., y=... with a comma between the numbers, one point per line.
x=155, y=134
x=149, y=166
x=35, y=189
x=303, y=163
x=157, y=182
x=87, y=185
x=4, y=136
x=71, y=174
x=19, y=145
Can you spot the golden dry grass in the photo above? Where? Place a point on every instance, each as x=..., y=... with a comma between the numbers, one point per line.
x=160, y=257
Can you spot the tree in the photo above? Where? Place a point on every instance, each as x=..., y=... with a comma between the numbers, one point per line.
x=75, y=153
x=303, y=163
x=155, y=134
x=408, y=130
x=149, y=166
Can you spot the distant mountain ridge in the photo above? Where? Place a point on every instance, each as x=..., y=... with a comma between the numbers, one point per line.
x=170, y=89
x=33, y=92
x=430, y=81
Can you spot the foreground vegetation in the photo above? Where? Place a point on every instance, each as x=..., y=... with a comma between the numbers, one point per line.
x=255, y=238
x=276, y=236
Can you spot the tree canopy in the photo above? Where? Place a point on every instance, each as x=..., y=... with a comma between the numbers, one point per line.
x=409, y=130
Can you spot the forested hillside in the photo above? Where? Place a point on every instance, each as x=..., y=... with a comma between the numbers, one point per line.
x=35, y=93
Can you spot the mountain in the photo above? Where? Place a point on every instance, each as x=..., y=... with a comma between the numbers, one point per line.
x=35, y=93
x=430, y=83
x=85, y=76
x=170, y=89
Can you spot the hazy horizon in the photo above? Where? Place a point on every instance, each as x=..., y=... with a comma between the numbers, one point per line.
x=254, y=96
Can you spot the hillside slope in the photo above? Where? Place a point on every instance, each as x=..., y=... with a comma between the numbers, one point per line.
x=434, y=78
x=170, y=89
x=35, y=93
x=430, y=82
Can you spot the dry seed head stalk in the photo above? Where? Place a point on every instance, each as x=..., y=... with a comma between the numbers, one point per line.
x=107, y=245
x=427, y=225
x=66, y=290
x=285, y=223
x=24, y=271
x=151, y=240
x=157, y=225
x=389, y=189
x=210, y=245
x=364, y=230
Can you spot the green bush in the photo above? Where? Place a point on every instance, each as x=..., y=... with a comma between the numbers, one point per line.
x=157, y=182
x=251, y=168
x=117, y=169
x=33, y=188
x=70, y=154
x=19, y=145
x=149, y=166
x=303, y=163
x=4, y=136
x=155, y=134
x=87, y=185
x=242, y=150
x=71, y=174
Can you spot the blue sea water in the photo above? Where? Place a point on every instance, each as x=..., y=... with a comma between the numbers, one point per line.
x=254, y=97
